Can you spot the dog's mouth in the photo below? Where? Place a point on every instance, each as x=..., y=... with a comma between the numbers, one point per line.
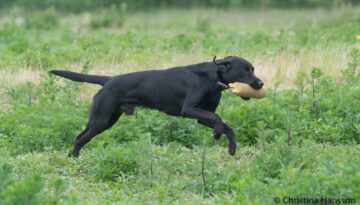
x=245, y=98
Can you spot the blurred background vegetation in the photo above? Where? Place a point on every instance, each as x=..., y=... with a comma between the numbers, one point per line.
x=86, y=5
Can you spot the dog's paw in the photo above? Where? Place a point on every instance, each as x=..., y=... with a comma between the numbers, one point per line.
x=232, y=149
x=217, y=135
x=72, y=154
x=218, y=130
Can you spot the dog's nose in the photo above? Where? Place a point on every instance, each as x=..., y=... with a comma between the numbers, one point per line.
x=260, y=84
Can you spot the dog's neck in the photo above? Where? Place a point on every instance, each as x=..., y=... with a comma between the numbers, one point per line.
x=220, y=81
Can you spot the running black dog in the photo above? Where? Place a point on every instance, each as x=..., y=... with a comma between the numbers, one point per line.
x=192, y=91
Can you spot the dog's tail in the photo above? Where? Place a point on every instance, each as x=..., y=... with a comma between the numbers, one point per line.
x=79, y=77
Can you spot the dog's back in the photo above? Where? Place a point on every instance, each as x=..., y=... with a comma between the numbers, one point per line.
x=164, y=90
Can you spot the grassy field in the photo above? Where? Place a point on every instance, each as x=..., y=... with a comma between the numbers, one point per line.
x=302, y=141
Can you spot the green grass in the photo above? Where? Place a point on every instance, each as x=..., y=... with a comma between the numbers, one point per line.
x=275, y=41
x=302, y=141
x=312, y=170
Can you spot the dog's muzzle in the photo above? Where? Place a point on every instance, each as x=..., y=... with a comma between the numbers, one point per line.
x=257, y=85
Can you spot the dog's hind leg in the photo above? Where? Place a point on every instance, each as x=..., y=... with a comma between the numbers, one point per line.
x=94, y=127
x=103, y=114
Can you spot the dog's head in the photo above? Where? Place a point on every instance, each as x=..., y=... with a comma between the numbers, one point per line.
x=235, y=69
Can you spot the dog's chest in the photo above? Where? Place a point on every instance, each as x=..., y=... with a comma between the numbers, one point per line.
x=210, y=101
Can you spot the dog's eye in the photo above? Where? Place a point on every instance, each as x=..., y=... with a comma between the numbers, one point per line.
x=247, y=69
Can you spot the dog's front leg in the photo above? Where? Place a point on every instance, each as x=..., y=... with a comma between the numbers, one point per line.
x=206, y=117
x=210, y=125
x=229, y=133
x=231, y=137
x=190, y=109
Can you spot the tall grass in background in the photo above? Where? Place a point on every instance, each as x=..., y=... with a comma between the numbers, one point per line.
x=115, y=41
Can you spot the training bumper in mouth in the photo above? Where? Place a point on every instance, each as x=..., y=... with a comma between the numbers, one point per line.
x=246, y=91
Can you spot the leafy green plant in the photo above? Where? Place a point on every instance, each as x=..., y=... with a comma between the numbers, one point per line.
x=114, y=163
x=31, y=125
x=29, y=191
x=351, y=74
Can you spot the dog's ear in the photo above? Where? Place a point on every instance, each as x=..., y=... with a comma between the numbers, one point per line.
x=223, y=64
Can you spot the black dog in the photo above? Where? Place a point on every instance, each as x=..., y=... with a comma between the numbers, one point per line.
x=192, y=91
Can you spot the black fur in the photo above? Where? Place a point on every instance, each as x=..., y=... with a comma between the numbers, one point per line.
x=189, y=91
x=79, y=77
